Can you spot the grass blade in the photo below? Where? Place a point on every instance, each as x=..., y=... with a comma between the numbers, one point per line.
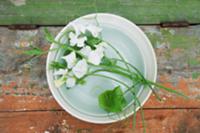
x=169, y=89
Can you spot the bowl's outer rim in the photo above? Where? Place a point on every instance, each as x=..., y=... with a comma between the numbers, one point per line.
x=140, y=32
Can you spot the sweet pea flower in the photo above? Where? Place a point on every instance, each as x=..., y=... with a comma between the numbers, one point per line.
x=70, y=59
x=86, y=51
x=78, y=28
x=96, y=55
x=75, y=40
x=80, y=69
x=81, y=41
x=94, y=30
x=71, y=82
x=60, y=81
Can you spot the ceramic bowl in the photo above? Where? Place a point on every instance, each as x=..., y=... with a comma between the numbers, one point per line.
x=82, y=100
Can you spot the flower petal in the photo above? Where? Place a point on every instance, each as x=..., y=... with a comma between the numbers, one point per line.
x=94, y=58
x=70, y=82
x=60, y=81
x=80, y=69
x=96, y=55
x=78, y=28
x=73, y=39
x=75, y=27
x=94, y=30
x=81, y=41
x=100, y=50
x=86, y=51
x=70, y=59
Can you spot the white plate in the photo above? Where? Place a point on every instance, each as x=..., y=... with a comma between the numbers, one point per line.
x=82, y=101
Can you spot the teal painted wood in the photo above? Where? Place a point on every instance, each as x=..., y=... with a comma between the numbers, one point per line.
x=59, y=12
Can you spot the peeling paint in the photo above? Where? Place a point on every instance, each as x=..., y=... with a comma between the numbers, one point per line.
x=1, y=99
x=31, y=127
x=18, y=2
x=25, y=38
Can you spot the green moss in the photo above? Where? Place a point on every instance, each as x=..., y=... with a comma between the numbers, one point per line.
x=195, y=75
x=175, y=40
x=193, y=62
x=155, y=39
x=52, y=12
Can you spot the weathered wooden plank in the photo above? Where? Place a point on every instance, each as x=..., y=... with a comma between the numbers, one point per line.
x=23, y=82
x=59, y=12
x=157, y=121
x=27, y=102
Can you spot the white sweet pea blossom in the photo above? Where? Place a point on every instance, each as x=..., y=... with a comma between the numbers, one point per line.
x=81, y=41
x=61, y=72
x=70, y=82
x=60, y=81
x=75, y=40
x=70, y=59
x=77, y=68
x=67, y=78
x=96, y=55
x=80, y=69
x=78, y=28
x=94, y=30
x=86, y=51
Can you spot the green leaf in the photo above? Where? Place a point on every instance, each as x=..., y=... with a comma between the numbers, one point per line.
x=112, y=100
x=48, y=35
x=108, y=62
x=92, y=41
x=81, y=81
x=34, y=52
x=58, y=65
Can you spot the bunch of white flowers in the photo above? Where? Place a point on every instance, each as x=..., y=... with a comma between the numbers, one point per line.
x=76, y=67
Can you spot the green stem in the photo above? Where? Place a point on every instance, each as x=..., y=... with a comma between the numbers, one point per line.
x=103, y=70
x=143, y=79
x=130, y=88
x=115, y=71
x=114, y=79
x=67, y=47
x=118, y=53
x=141, y=112
x=168, y=89
x=135, y=97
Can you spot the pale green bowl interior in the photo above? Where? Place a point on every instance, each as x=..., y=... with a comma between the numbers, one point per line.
x=84, y=98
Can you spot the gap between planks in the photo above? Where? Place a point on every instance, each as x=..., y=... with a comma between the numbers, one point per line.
x=61, y=110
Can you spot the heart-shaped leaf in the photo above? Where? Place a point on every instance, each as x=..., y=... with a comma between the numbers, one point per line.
x=112, y=100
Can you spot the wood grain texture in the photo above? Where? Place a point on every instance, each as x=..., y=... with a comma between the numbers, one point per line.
x=26, y=104
x=157, y=121
x=59, y=12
